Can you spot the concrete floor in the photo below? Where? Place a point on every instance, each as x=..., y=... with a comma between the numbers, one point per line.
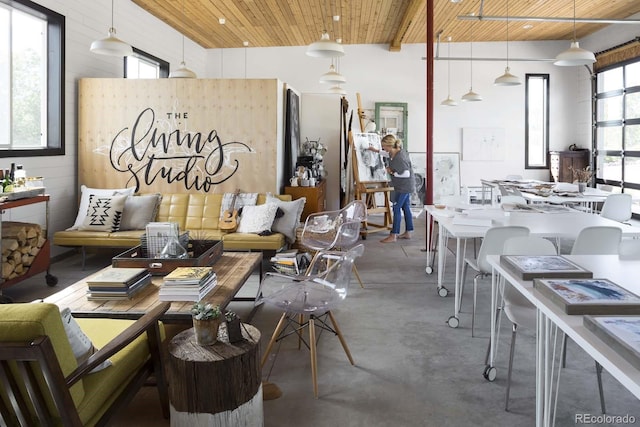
x=411, y=368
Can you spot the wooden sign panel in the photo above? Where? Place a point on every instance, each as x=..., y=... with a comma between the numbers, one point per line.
x=180, y=135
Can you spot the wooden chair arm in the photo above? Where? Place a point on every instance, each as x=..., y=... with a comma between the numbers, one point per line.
x=148, y=322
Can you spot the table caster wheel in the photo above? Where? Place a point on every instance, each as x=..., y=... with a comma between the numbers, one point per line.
x=453, y=322
x=443, y=292
x=429, y=270
x=490, y=373
x=51, y=280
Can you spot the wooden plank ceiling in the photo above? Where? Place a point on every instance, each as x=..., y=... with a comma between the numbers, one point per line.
x=265, y=23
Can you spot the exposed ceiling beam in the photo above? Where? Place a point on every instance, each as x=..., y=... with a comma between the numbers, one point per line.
x=410, y=15
x=548, y=19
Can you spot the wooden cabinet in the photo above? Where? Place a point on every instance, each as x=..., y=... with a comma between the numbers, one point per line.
x=316, y=197
x=559, y=162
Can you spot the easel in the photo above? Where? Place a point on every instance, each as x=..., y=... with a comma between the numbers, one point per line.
x=367, y=190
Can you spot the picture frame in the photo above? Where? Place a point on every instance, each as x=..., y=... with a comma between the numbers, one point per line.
x=529, y=267
x=291, y=133
x=589, y=296
x=446, y=175
x=371, y=166
x=620, y=333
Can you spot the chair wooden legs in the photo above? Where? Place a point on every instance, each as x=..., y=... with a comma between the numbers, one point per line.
x=314, y=359
x=355, y=271
x=279, y=327
x=341, y=337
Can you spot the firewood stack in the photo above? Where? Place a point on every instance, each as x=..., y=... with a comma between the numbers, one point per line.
x=21, y=242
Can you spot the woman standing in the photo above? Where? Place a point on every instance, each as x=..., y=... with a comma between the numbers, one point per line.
x=399, y=167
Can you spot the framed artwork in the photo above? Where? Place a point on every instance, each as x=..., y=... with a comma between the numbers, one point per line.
x=529, y=267
x=419, y=164
x=621, y=333
x=589, y=296
x=371, y=166
x=483, y=144
x=291, y=134
x=446, y=175
x=391, y=118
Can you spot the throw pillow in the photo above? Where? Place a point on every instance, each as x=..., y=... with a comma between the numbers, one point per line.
x=256, y=219
x=139, y=211
x=81, y=345
x=104, y=213
x=288, y=223
x=243, y=199
x=84, y=200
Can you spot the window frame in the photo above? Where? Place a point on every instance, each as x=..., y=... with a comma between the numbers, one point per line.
x=545, y=148
x=163, y=66
x=55, y=80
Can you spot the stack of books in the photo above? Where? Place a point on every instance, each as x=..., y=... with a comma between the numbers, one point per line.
x=115, y=283
x=187, y=284
x=286, y=262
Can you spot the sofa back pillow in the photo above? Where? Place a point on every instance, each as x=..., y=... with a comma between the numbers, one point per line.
x=287, y=223
x=104, y=213
x=139, y=211
x=257, y=219
x=86, y=192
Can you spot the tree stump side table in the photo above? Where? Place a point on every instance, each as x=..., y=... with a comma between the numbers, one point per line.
x=217, y=385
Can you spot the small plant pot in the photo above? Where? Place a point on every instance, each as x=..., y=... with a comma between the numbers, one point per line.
x=234, y=330
x=582, y=186
x=206, y=331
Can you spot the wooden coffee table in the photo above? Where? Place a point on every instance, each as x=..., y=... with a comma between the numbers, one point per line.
x=233, y=269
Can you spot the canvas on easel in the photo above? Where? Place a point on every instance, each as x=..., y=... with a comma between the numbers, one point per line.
x=370, y=164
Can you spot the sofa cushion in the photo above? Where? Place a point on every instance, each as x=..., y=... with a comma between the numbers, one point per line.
x=139, y=211
x=86, y=192
x=104, y=213
x=256, y=219
x=287, y=223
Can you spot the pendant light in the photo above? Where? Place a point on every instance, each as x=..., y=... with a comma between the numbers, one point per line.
x=507, y=79
x=325, y=48
x=575, y=55
x=449, y=102
x=111, y=45
x=471, y=96
x=332, y=76
x=182, y=72
x=337, y=89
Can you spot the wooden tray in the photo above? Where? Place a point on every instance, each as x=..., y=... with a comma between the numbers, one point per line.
x=205, y=252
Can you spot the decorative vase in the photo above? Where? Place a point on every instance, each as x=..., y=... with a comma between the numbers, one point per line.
x=233, y=330
x=206, y=331
x=582, y=186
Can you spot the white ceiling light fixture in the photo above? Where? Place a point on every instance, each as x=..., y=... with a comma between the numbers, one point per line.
x=471, y=96
x=182, y=72
x=574, y=56
x=111, y=45
x=507, y=79
x=332, y=76
x=449, y=102
x=325, y=48
x=338, y=89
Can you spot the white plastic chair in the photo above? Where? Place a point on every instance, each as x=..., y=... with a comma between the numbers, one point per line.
x=492, y=244
x=598, y=240
x=308, y=300
x=617, y=207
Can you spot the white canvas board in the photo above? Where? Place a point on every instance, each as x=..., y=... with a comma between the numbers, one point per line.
x=370, y=163
x=446, y=175
x=483, y=144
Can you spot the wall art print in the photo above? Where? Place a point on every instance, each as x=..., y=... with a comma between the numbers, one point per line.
x=291, y=134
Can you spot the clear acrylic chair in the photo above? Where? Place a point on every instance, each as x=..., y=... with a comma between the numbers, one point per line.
x=335, y=230
x=307, y=301
x=617, y=207
x=492, y=244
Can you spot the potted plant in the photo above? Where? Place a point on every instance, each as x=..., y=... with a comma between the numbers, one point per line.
x=581, y=176
x=233, y=326
x=206, y=320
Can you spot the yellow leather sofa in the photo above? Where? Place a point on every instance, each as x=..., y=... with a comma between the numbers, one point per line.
x=197, y=213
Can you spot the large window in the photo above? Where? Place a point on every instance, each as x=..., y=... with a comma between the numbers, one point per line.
x=536, y=121
x=617, y=130
x=31, y=80
x=142, y=65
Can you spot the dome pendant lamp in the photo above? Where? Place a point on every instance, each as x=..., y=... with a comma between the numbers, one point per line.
x=332, y=76
x=325, y=48
x=507, y=79
x=111, y=45
x=574, y=55
x=182, y=72
x=449, y=102
x=471, y=96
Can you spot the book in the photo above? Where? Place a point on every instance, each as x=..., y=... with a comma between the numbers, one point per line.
x=188, y=275
x=117, y=277
x=621, y=333
x=118, y=293
x=589, y=296
x=187, y=292
x=529, y=267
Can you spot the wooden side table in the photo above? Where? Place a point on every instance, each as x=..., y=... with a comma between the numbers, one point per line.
x=217, y=385
x=316, y=197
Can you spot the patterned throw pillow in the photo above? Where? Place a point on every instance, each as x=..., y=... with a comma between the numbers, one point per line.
x=102, y=192
x=104, y=213
x=256, y=219
x=81, y=344
x=243, y=199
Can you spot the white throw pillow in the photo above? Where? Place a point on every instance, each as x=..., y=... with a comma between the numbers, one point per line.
x=256, y=219
x=139, y=211
x=81, y=345
x=104, y=213
x=288, y=222
x=84, y=200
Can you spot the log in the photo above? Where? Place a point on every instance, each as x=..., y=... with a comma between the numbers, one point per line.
x=20, y=244
x=10, y=244
x=215, y=385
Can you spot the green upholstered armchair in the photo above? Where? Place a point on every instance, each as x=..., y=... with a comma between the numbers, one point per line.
x=42, y=383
